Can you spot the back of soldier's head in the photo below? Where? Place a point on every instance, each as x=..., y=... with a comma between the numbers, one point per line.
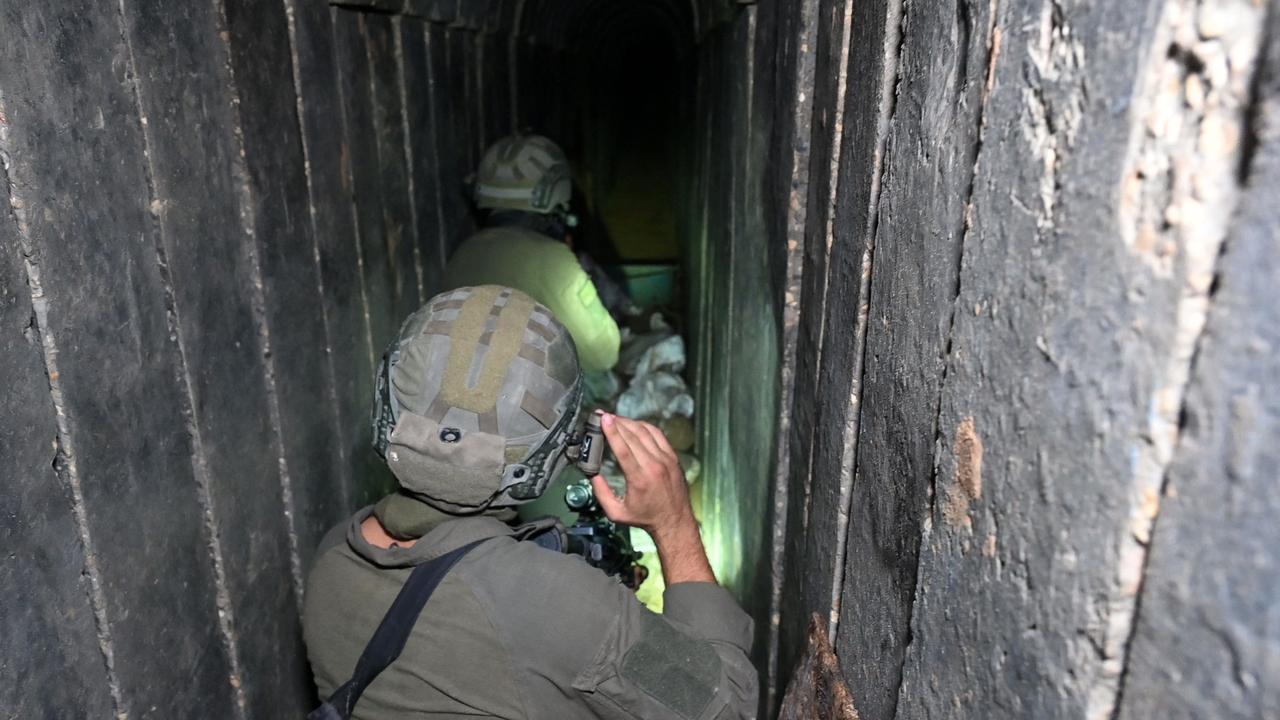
x=476, y=399
x=525, y=173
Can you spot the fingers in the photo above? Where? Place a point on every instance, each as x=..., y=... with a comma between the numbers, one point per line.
x=660, y=441
x=612, y=506
x=635, y=435
x=632, y=454
x=618, y=442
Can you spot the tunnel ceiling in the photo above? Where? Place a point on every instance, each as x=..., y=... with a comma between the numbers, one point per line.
x=562, y=23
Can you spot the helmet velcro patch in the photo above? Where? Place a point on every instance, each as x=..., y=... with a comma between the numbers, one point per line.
x=468, y=329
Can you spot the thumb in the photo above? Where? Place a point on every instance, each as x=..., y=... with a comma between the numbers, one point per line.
x=609, y=502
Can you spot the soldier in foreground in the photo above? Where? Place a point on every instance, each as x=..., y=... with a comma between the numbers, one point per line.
x=522, y=189
x=476, y=407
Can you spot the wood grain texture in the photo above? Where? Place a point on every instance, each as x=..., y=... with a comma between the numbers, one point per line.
x=934, y=136
x=1059, y=335
x=47, y=617
x=185, y=94
x=74, y=156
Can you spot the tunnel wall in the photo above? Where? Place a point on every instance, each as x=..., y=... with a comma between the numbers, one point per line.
x=995, y=276
x=1036, y=294
x=214, y=220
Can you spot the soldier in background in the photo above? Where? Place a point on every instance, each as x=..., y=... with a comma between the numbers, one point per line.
x=523, y=188
x=475, y=411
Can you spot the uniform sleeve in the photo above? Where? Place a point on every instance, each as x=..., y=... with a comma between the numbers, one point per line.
x=587, y=648
x=689, y=663
x=587, y=319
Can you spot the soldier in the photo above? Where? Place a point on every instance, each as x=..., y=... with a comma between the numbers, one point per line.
x=523, y=188
x=476, y=404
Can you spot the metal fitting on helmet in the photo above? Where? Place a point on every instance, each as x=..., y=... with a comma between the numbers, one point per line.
x=477, y=398
x=524, y=172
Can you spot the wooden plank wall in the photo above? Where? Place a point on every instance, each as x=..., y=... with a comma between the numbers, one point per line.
x=996, y=276
x=214, y=220
x=1023, y=494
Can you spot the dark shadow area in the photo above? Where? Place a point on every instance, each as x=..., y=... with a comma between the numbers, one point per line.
x=629, y=121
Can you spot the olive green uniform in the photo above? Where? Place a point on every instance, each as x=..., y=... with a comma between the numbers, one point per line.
x=519, y=631
x=549, y=272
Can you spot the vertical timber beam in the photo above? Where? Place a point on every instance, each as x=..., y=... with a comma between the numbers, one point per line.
x=77, y=190
x=54, y=625
x=944, y=69
x=1079, y=308
x=326, y=153
x=787, y=168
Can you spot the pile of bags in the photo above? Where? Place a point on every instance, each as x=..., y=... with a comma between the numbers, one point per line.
x=646, y=384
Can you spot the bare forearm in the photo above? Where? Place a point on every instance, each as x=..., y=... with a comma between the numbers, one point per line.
x=683, y=557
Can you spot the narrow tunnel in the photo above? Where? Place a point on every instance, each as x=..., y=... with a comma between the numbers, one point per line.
x=976, y=297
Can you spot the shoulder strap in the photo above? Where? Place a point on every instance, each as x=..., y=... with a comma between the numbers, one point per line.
x=392, y=634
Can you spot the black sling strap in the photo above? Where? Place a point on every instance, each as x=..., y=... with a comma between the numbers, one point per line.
x=392, y=634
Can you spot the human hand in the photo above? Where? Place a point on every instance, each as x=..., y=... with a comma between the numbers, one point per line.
x=657, y=498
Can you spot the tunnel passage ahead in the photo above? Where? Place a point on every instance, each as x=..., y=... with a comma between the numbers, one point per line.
x=978, y=305
x=218, y=218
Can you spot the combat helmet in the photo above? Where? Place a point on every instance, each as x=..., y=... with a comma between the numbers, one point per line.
x=476, y=399
x=524, y=172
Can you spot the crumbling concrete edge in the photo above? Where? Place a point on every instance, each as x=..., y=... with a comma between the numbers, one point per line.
x=1193, y=113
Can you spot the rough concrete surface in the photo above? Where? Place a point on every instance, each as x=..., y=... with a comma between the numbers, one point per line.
x=818, y=689
x=1059, y=347
x=928, y=170
x=394, y=184
x=355, y=89
x=348, y=341
x=1207, y=638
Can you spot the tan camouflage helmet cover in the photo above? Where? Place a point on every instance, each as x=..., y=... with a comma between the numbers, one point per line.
x=524, y=172
x=477, y=399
